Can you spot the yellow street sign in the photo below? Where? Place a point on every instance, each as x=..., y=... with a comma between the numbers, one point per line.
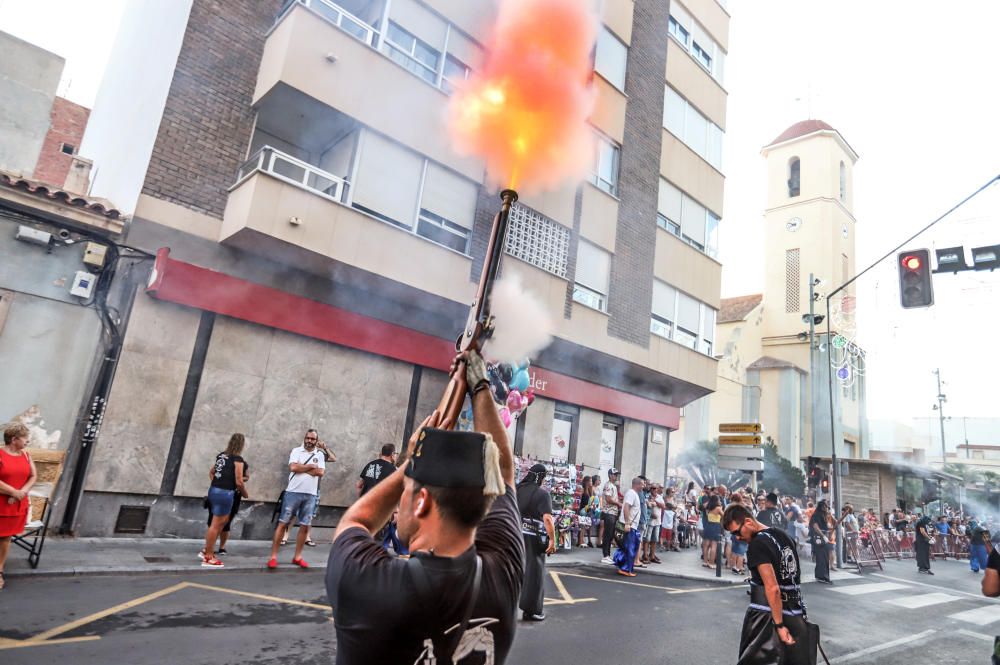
x=746, y=440
x=739, y=428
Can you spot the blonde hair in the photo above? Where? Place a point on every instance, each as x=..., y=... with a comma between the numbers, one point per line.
x=236, y=443
x=14, y=430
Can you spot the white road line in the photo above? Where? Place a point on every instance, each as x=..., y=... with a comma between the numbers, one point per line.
x=979, y=616
x=913, y=602
x=901, y=642
x=874, y=587
x=938, y=586
x=971, y=633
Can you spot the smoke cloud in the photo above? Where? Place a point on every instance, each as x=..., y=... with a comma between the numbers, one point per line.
x=523, y=327
x=525, y=110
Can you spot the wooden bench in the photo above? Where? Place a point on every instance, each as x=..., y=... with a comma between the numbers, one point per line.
x=49, y=465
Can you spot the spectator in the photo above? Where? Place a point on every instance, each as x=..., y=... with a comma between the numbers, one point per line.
x=237, y=502
x=978, y=540
x=820, y=527
x=691, y=495
x=225, y=480
x=942, y=526
x=17, y=476
x=371, y=475
x=598, y=526
x=589, y=502
x=792, y=513
x=651, y=536
x=610, y=505
x=624, y=558
x=538, y=531
x=801, y=532
x=713, y=530
x=306, y=465
x=667, y=527
x=328, y=456
x=770, y=515
x=643, y=519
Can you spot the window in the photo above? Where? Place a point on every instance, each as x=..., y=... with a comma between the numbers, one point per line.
x=605, y=173
x=611, y=58
x=537, y=240
x=413, y=54
x=678, y=31
x=696, y=41
x=794, y=171
x=843, y=183
x=707, y=330
x=447, y=208
x=562, y=433
x=679, y=317
x=664, y=307
x=388, y=180
x=455, y=71
x=792, y=281
x=687, y=219
x=593, y=269
x=682, y=120
x=67, y=149
x=688, y=321
x=702, y=56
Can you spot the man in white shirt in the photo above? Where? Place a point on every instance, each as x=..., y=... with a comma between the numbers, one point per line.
x=306, y=465
x=609, y=513
x=629, y=519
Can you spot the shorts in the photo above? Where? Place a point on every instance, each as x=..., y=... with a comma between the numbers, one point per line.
x=300, y=505
x=668, y=534
x=220, y=501
x=651, y=533
x=713, y=531
x=237, y=499
x=740, y=547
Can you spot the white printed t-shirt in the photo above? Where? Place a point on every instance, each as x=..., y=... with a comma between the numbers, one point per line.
x=668, y=519
x=635, y=510
x=303, y=483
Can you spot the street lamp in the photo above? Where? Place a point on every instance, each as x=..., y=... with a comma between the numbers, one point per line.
x=939, y=407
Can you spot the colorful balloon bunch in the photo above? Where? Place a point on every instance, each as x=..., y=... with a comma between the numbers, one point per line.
x=511, y=388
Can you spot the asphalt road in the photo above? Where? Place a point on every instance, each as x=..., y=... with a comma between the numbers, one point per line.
x=593, y=616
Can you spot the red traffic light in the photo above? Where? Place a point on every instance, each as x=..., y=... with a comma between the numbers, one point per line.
x=911, y=262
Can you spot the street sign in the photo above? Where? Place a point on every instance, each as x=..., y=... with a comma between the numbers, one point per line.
x=739, y=428
x=741, y=464
x=743, y=452
x=743, y=440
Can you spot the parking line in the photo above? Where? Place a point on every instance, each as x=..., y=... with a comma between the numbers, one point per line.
x=972, y=633
x=260, y=596
x=20, y=644
x=939, y=587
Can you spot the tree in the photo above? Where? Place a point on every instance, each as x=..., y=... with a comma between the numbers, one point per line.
x=780, y=473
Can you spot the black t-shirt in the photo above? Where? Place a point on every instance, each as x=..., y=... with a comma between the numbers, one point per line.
x=772, y=517
x=779, y=551
x=533, y=501
x=381, y=617
x=224, y=475
x=994, y=560
x=375, y=472
x=924, y=523
x=819, y=520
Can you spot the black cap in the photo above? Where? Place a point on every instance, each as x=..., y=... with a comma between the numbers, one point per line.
x=445, y=458
x=772, y=498
x=538, y=468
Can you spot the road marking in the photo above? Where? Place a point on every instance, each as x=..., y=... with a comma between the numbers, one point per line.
x=875, y=587
x=937, y=586
x=6, y=643
x=901, y=642
x=567, y=599
x=913, y=602
x=668, y=589
x=971, y=633
x=979, y=616
x=259, y=596
x=66, y=627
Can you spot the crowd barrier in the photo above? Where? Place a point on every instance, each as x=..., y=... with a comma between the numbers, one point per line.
x=871, y=548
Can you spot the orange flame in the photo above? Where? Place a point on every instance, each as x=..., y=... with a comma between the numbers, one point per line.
x=525, y=110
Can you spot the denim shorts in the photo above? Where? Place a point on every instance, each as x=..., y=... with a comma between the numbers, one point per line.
x=298, y=504
x=740, y=547
x=220, y=501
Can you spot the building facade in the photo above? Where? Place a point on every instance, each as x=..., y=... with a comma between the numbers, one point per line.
x=319, y=242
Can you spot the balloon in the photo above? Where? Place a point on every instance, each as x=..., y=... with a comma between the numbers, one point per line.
x=529, y=395
x=521, y=380
x=505, y=416
x=505, y=372
x=514, y=401
x=524, y=402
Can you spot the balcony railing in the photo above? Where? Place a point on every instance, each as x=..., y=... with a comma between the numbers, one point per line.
x=339, y=16
x=287, y=168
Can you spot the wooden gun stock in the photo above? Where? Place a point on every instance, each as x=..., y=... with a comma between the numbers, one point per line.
x=479, y=325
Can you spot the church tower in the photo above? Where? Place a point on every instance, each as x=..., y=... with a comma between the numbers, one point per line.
x=808, y=225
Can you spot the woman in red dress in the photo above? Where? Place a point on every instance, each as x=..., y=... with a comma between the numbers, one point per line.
x=17, y=475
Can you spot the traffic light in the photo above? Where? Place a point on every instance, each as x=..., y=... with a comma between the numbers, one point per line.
x=824, y=484
x=813, y=472
x=915, y=289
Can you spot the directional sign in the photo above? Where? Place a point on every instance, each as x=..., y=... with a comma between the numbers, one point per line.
x=743, y=452
x=744, y=440
x=741, y=464
x=739, y=428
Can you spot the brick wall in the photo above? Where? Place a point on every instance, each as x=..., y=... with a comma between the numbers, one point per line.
x=630, y=296
x=67, y=122
x=861, y=487
x=207, y=120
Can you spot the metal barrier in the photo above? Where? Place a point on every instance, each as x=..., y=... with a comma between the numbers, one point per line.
x=862, y=552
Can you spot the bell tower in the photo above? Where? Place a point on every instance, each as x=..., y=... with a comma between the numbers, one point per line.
x=809, y=226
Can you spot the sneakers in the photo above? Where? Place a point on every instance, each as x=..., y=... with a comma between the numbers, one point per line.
x=201, y=555
x=298, y=562
x=526, y=616
x=221, y=552
x=272, y=563
x=212, y=563
x=608, y=560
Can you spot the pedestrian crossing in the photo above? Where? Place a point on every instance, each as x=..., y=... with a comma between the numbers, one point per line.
x=914, y=597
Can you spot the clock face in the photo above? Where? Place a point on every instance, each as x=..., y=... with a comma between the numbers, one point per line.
x=844, y=232
x=794, y=224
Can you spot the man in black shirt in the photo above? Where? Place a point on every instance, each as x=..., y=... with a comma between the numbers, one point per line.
x=538, y=530
x=771, y=516
x=377, y=470
x=774, y=628
x=922, y=544
x=454, y=599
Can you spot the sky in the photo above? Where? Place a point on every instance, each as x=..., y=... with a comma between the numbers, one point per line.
x=912, y=88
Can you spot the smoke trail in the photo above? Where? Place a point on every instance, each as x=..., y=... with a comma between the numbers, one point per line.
x=523, y=326
x=525, y=111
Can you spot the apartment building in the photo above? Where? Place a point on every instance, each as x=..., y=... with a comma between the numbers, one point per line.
x=319, y=243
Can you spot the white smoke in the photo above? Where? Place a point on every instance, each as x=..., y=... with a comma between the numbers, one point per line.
x=523, y=327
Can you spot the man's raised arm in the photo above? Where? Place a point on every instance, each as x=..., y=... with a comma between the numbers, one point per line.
x=485, y=417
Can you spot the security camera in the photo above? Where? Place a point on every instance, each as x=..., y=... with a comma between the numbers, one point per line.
x=63, y=234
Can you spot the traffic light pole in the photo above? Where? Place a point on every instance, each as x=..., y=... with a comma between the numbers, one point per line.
x=835, y=470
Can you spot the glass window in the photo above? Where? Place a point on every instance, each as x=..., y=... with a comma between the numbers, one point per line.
x=449, y=196
x=606, y=166
x=455, y=71
x=712, y=235
x=696, y=131
x=562, y=431
x=669, y=201
x=413, y=54
x=702, y=56
x=688, y=312
x=674, y=108
x=714, y=155
x=593, y=268
x=610, y=59
x=678, y=31
x=388, y=179
x=707, y=329
x=693, y=223
x=794, y=173
x=664, y=300
x=843, y=183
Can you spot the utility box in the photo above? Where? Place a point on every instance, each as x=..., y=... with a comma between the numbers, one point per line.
x=83, y=284
x=94, y=254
